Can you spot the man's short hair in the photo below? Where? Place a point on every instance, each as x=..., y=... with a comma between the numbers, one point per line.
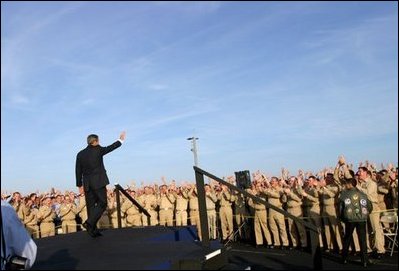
x=91, y=139
x=351, y=181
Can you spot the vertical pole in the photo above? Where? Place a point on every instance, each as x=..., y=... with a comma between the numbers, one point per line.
x=118, y=208
x=202, y=209
x=195, y=151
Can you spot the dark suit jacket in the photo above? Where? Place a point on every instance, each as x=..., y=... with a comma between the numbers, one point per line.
x=90, y=170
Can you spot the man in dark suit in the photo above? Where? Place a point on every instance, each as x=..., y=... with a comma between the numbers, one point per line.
x=91, y=178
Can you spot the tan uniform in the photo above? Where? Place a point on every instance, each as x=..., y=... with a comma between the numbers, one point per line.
x=113, y=213
x=46, y=216
x=240, y=216
x=31, y=221
x=338, y=179
x=394, y=193
x=329, y=194
x=82, y=209
x=104, y=222
x=166, y=204
x=68, y=213
x=260, y=221
x=226, y=214
x=382, y=190
x=19, y=209
x=312, y=206
x=275, y=218
x=294, y=207
x=149, y=202
x=194, y=211
x=211, y=199
x=369, y=187
x=181, y=209
x=132, y=214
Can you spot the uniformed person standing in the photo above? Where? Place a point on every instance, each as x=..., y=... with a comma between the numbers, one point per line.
x=329, y=193
x=294, y=207
x=181, y=206
x=18, y=205
x=166, y=201
x=276, y=219
x=369, y=187
x=194, y=209
x=260, y=221
x=226, y=212
x=354, y=209
x=46, y=216
x=240, y=216
x=393, y=186
x=113, y=211
x=131, y=211
x=210, y=201
x=82, y=209
x=30, y=221
x=312, y=204
x=149, y=202
x=68, y=213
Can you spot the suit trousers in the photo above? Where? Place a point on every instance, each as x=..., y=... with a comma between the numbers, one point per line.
x=96, y=201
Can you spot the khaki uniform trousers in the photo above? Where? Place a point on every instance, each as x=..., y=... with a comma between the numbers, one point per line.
x=330, y=220
x=313, y=214
x=166, y=217
x=379, y=241
x=114, y=222
x=68, y=226
x=181, y=218
x=33, y=230
x=226, y=222
x=260, y=225
x=47, y=229
x=153, y=219
x=297, y=230
x=239, y=218
x=277, y=219
x=104, y=222
x=195, y=220
x=133, y=220
x=212, y=223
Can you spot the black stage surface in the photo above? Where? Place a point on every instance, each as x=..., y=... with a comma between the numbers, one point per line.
x=241, y=256
x=162, y=248
x=148, y=248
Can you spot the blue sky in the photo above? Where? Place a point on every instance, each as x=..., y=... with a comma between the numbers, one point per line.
x=262, y=84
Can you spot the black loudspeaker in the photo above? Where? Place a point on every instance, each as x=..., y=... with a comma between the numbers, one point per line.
x=243, y=179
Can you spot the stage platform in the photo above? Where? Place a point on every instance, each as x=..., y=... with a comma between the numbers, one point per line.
x=175, y=248
x=242, y=256
x=145, y=248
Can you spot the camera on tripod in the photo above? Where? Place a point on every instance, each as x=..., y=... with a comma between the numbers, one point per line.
x=16, y=263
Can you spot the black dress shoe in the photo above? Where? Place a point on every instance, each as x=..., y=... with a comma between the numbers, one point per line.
x=97, y=232
x=90, y=230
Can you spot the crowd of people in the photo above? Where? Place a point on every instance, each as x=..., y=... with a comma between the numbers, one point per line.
x=232, y=216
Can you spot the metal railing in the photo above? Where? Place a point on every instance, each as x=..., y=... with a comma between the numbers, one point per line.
x=119, y=189
x=199, y=177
